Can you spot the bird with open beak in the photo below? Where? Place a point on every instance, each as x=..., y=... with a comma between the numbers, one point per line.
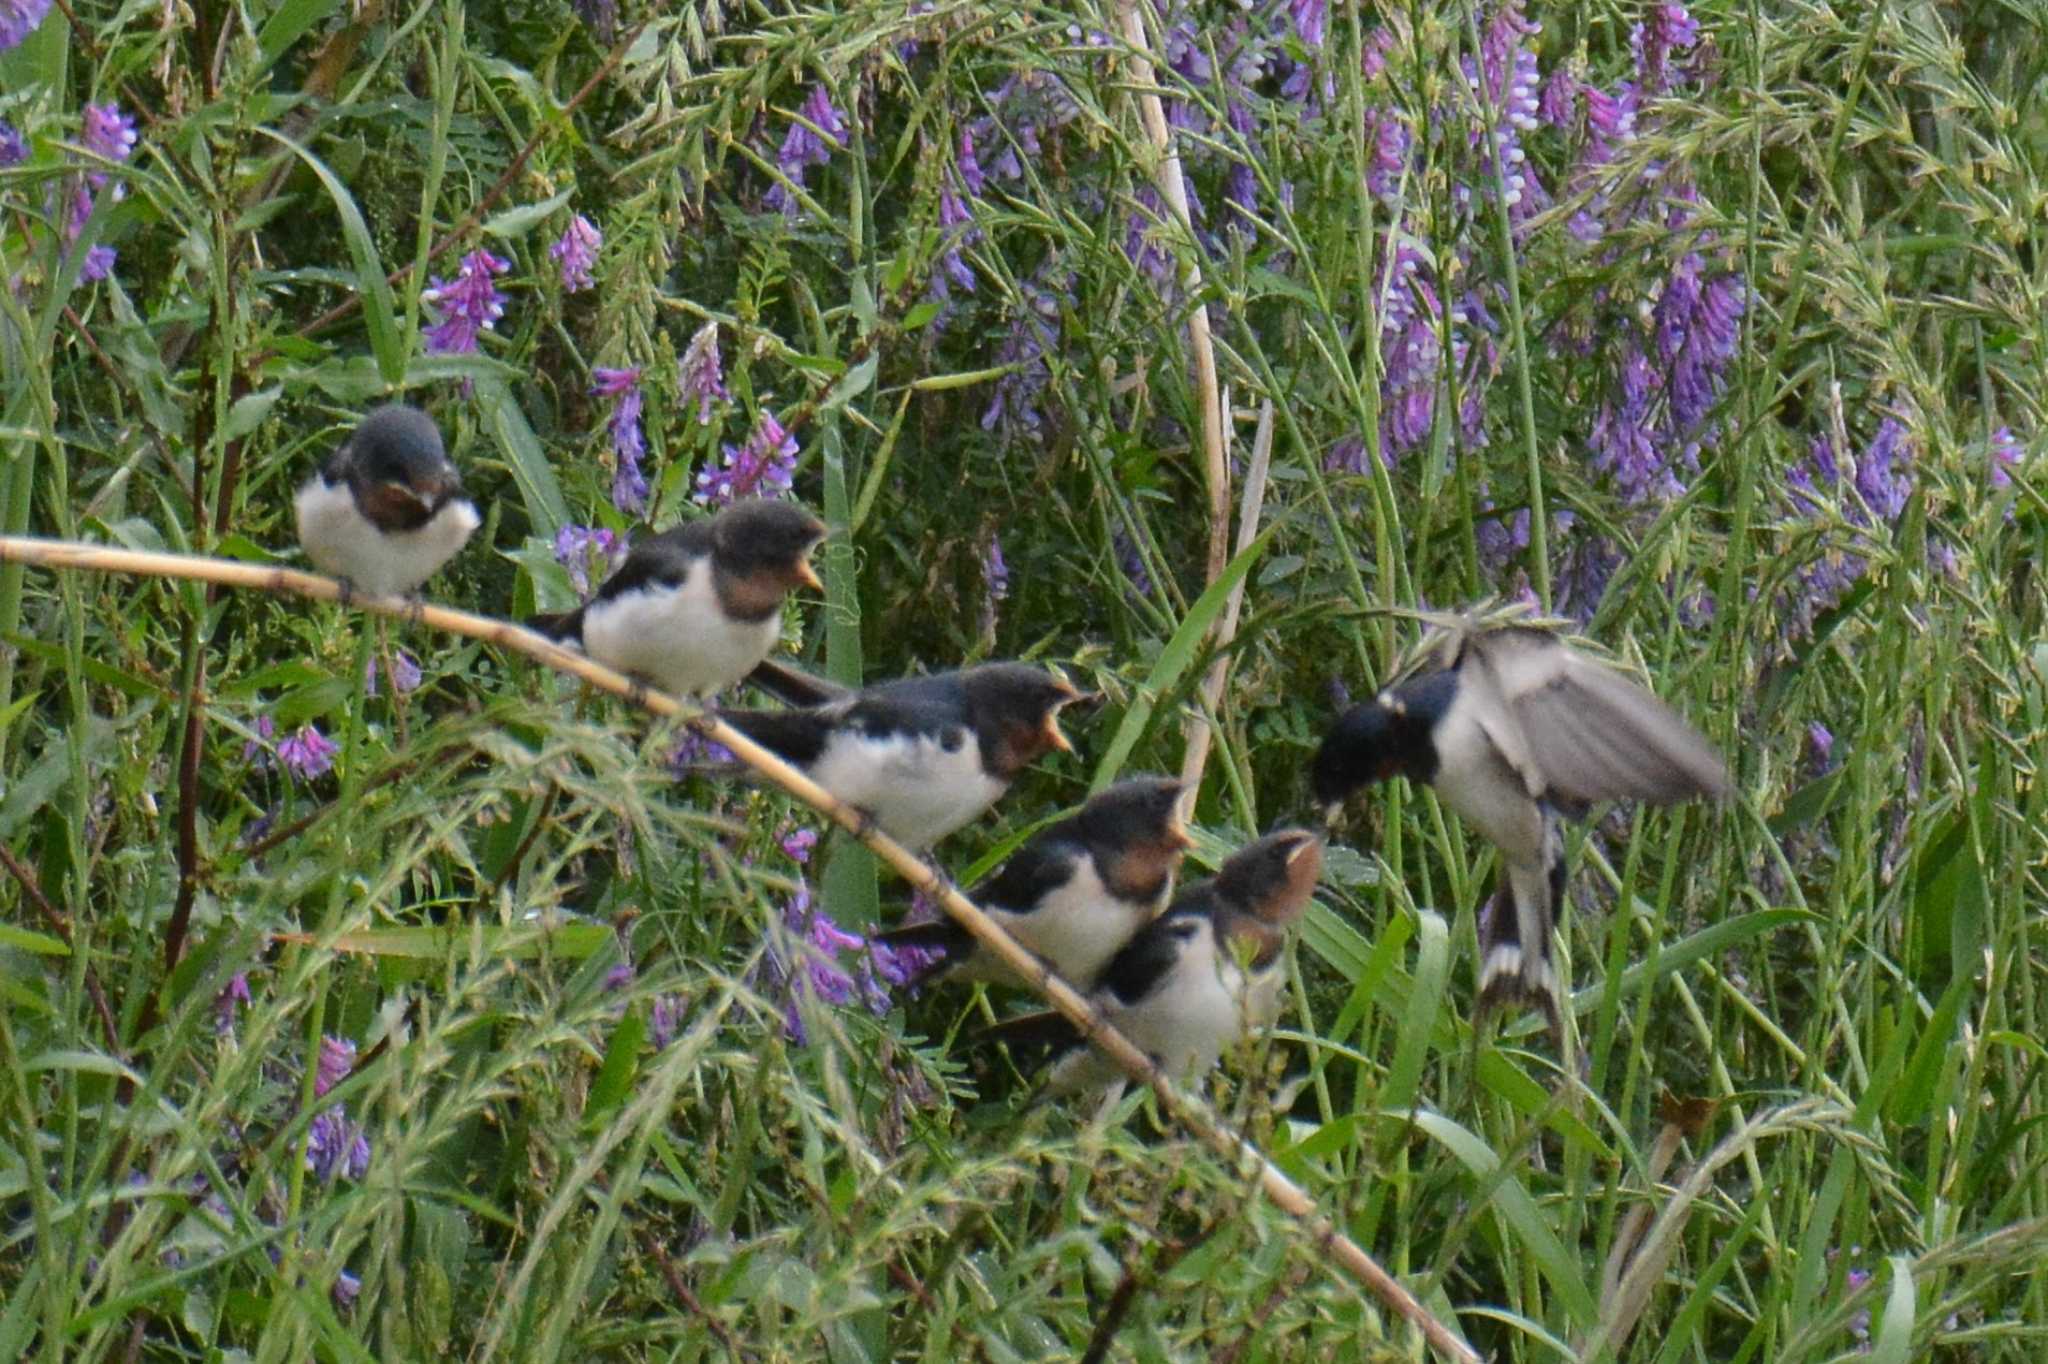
x=385, y=510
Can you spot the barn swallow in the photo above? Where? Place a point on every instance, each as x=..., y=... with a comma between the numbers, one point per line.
x=386, y=508
x=1197, y=979
x=695, y=608
x=1076, y=892
x=924, y=755
x=1513, y=727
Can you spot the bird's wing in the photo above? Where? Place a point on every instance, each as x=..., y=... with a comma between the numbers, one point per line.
x=1030, y=874
x=796, y=736
x=793, y=686
x=662, y=560
x=1589, y=732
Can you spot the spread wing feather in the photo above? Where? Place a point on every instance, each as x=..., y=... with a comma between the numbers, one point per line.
x=1590, y=732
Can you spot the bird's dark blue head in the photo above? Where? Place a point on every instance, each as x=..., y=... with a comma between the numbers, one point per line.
x=1392, y=735
x=1015, y=710
x=397, y=468
x=769, y=540
x=1134, y=832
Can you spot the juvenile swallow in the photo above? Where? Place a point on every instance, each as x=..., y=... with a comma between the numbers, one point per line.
x=1513, y=728
x=386, y=508
x=1197, y=979
x=924, y=755
x=695, y=608
x=1075, y=892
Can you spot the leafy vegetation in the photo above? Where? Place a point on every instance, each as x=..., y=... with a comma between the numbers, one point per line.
x=372, y=994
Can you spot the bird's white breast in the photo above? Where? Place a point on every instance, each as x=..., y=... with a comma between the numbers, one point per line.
x=916, y=788
x=343, y=542
x=680, y=638
x=1478, y=784
x=1196, y=1010
x=1077, y=928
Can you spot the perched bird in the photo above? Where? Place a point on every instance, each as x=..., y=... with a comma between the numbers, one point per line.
x=1513, y=727
x=1198, y=978
x=924, y=755
x=1076, y=892
x=695, y=608
x=386, y=508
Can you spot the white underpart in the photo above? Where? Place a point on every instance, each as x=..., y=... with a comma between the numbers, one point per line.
x=912, y=786
x=1489, y=795
x=343, y=542
x=1077, y=928
x=679, y=638
x=1198, y=1009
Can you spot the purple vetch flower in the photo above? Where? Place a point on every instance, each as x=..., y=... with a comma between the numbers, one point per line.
x=1033, y=335
x=629, y=485
x=619, y=977
x=590, y=553
x=347, y=1288
x=1558, y=105
x=336, y=1147
x=256, y=752
x=337, y=1058
x=810, y=141
x=405, y=674
x=1586, y=564
x=665, y=1020
x=576, y=252
x=99, y=260
x=466, y=306
x=899, y=967
x=764, y=467
x=18, y=19
x=1697, y=327
x=969, y=166
x=1884, y=489
x=13, y=147
x=1624, y=441
x=1378, y=46
x=108, y=134
x=307, y=754
x=1388, y=135
x=956, y=225
x=798, y=844
x=1666, y=29
x=1311, y=20
x=700, y=373
x=1859, y=1324
x=225, y=1004
x=1347, y=455
x=694, y=751
x=1820, y=741
x=2005, y=456
x=1499, y=539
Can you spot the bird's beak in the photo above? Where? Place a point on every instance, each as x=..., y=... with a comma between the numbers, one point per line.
x=808, y=576
x=444, y=483
x=1178, y=838
x=1053, y=735
x=1333, y=810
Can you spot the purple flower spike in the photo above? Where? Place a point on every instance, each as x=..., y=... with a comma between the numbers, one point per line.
x=629, y=485
x=576, y=252
x=337, y=1059
x=1883, y=488
x=18, y=19
x=2005, y=455
x=969, y=166
x=13, y=148
x=1311, y=20
x=699, y=374
x=764, y=467
x=1822, y=741
x=799, y=843
x=810, y=141
x=107, y=132
x=466, y=306
x=228, y=1000
x=665, y=1020
x=256, y=751
x=590, y=554
x=307, y=754
x=405, y=674
x=1668, y=29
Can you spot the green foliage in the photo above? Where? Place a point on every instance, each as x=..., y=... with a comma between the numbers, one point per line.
x=609, y=1107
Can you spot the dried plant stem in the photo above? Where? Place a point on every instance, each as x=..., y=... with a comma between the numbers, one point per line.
x=1190, y=1112
x=1197, y=755
x=1174, y=194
